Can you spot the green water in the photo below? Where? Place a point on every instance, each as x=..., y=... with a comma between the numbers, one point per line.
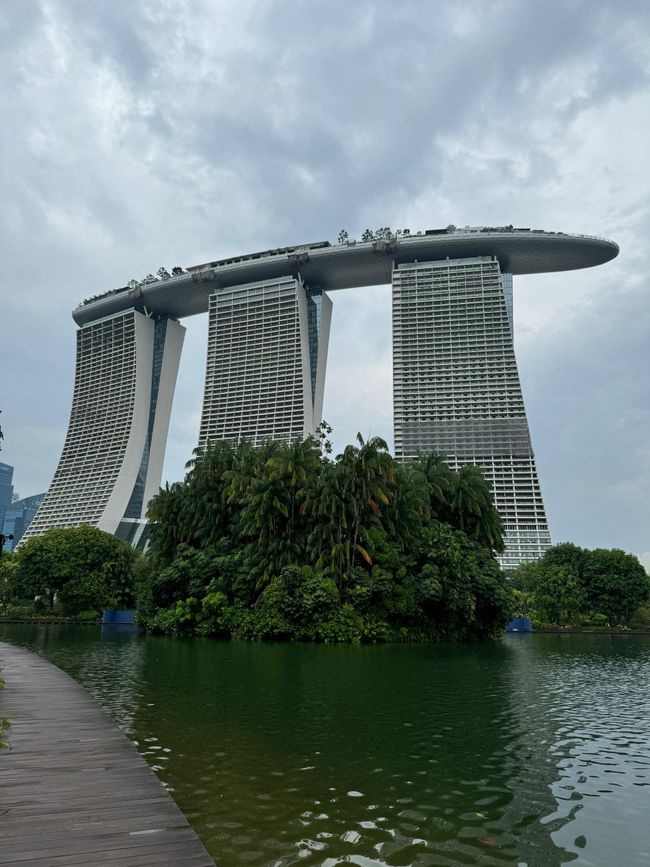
x=530, y=751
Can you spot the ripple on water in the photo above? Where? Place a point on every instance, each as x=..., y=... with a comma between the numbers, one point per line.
x=402, y=756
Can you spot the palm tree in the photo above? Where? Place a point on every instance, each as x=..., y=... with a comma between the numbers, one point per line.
x=472, y=505
x=206, y=518
x=372, y=475
x=435, y=469
x=328, y=541
x=409, y=506
x=273, y=507
x=164, y=513
x=347, y=500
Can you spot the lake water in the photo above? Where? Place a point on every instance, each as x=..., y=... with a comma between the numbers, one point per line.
x=532, y=751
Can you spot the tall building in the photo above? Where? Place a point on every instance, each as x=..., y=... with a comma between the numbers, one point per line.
x=265, y=373
x=6, y=488
x=18, y=516
x=456, y=387
x=455, y=375
x=112, y=457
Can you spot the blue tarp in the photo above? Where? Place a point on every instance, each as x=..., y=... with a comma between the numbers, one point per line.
x=118, y=616
x=520, y=624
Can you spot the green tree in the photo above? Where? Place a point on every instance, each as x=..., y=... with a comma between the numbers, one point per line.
x=408, y=509
x=615, y=583
x=459, y=585
x=8, y=572
x=346, y=502
x=568, y=555
x=165, y=513
x=85, y=567
x=206, y=517
x=554, y=593
x=273, y=513
x=439, y=479
x=472, y=506
x=284, y=541
x=194, y=512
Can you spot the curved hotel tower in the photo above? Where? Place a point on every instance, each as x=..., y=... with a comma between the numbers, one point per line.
x=113, y=452
x=455, y=380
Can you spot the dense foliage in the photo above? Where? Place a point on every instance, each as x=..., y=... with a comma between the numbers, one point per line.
x=575, y=586
x=284, y=542
x=69, y=570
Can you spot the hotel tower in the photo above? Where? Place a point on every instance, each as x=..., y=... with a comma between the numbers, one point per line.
x=455, y=379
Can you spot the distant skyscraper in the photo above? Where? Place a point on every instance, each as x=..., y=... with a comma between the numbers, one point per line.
x=456, y=386
x=18, y=517
x=267, y=350
x=6, y=488
x=112, y=457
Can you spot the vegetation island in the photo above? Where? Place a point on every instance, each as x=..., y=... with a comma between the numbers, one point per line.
x=287, y=542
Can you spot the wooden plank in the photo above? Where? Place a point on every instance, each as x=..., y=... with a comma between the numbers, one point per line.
x=73, y=789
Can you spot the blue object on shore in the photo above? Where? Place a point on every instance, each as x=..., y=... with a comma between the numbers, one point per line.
x=118, y=616
x=520, y=624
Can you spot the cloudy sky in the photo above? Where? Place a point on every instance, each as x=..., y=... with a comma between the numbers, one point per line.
x=162, y=132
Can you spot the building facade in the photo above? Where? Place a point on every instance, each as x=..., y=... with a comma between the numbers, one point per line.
x=6, y=488
x=456, y=384
x=18, y=516
x=112, y=458
x=456, y=387
x=265, y=372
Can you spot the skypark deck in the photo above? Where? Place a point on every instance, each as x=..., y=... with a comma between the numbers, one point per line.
x=353, y=265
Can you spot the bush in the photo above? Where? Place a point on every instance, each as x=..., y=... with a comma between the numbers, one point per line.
x=13, y=611
x=82, y=593
x=596, y=620
x=346, y=626
x=640, y=619
x=213, y=615
x=90, y=616
x=181, y=618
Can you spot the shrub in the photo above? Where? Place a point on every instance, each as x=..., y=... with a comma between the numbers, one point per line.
x=640, y=619
x=345, y=626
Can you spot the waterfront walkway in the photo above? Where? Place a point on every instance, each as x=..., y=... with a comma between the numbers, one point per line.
x=73, y=789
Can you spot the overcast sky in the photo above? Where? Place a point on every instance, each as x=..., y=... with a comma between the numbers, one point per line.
x=162, y=132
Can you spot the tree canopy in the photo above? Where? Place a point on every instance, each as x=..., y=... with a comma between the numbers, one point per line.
x=84, y=568
x=572, y=585
x=253, y=538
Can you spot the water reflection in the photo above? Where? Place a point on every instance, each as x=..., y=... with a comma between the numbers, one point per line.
x=110, y=668
x=529, y=751
x=584, y=713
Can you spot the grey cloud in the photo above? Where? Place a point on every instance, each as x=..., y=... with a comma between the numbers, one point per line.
x=171, y=132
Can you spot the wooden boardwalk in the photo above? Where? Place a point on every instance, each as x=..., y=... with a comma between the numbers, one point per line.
x=73, y=789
